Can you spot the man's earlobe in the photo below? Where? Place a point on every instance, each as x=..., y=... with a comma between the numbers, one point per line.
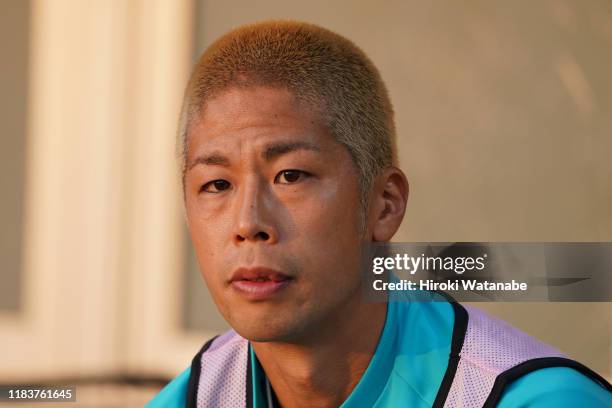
x=390, y=195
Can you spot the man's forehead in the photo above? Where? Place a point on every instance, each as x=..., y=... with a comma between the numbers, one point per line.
x=255, y=129
x=255, y=118
x=245, y=105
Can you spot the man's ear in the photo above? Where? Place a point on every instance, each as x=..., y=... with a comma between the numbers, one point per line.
x=387, y=203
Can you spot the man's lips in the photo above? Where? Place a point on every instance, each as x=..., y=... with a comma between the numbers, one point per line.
x=258, y=274
x=259, y=283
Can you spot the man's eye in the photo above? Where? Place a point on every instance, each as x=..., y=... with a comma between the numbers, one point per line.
x=290, y=176
x=215, y=186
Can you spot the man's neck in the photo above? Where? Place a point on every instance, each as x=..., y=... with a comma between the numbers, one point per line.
x=323, y=370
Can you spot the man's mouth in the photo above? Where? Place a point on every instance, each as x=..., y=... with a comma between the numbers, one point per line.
x=259, y=283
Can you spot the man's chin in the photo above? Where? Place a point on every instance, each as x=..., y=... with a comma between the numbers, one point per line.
x=264, y=333
x=274, y=328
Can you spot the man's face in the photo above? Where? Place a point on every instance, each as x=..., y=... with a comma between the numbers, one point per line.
x=272, y=204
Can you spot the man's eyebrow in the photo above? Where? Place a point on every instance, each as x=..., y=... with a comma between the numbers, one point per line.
x=272, y=151
x=212, y=159
x=269, y=153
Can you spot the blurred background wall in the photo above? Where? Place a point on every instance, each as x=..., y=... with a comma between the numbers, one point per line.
x=505, y=133
x=14, y=42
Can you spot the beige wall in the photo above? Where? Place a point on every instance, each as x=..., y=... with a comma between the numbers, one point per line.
x=504, y=125
x=102, y=245
x=14, y=40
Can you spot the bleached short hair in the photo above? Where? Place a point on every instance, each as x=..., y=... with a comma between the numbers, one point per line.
x=318, y=66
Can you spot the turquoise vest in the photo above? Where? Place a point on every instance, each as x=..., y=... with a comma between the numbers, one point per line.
x=430, y=354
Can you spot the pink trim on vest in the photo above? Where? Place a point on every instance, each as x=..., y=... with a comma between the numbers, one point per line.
x=223, y=373
x=491, y=346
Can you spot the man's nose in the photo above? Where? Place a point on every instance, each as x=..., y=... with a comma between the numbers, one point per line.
x=254, y=217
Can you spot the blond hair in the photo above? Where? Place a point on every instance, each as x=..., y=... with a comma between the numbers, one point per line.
x=318, y=66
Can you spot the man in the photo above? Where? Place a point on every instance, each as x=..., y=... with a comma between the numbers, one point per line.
x=289, y=166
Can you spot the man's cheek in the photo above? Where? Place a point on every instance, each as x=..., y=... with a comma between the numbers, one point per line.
x=214, y=283
x=207, y=232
